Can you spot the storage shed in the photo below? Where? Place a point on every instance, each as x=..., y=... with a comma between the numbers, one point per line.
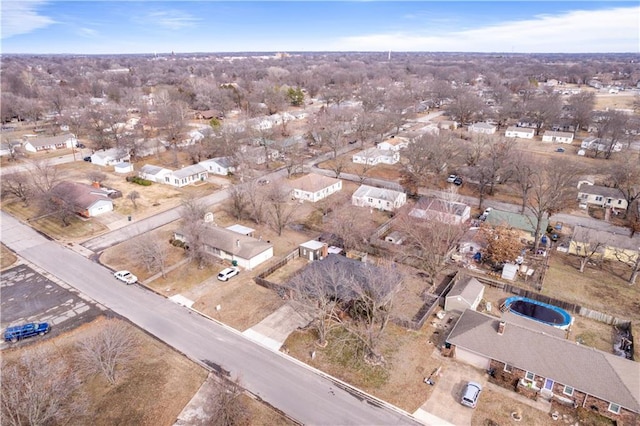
x=466, y=293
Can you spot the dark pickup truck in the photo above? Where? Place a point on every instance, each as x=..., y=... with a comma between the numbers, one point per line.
x=18, y=332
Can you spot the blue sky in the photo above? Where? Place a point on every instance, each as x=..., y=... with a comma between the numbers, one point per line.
x=101, y=27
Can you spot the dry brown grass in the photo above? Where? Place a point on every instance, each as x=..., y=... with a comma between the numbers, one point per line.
x=7, y=258
x=399, y=382
x=153, y=392
x=495, y=407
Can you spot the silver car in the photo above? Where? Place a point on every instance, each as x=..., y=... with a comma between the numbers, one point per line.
x=471, y=394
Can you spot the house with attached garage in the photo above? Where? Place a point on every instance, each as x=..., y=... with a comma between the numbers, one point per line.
x=601, y=196
x=219, y=165
x=394, y=143
x=186, y=176
x=314, y=187
x=541, y=365
x=374, y=156
x=225, y=244
x=110, y=157
x=378, y=198
x=50, y=143
x=153, y=173
x=519, y=132
x=87, y=200
x=482, y=128
x=557, y=137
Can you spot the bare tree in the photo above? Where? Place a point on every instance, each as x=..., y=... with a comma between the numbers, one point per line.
x=133, y=196
x=59, y=202
x=18, y=185
x=35, y=392
x=153, y=252
x=552, y=189
x=580, y=107
x=317, y=292
x=44, y=175
x=96, y=176
x=279, y=207
x=239, y=201
x=428, y=243
x=193, y=225
x=625, y=174
x=523, y=171
x=226, y=405
x=465, y=106
x=109, y=350
x=587, y=245
x=611, y=127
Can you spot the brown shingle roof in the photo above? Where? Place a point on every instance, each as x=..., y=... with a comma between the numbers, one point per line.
x=605, y=376
x=83, y=195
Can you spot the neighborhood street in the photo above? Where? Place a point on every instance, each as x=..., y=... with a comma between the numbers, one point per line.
x=306, y=395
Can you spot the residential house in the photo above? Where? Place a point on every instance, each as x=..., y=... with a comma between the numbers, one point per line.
x=559, y=137
x=450, y=212
x=148, y=147
x=374, y=156
x=186, y=176
x=314, y=187
x=428, y=128
x=466, y=293
x=153, y=173
x=110, y=157
x=541, y=365
x=448, y=125
x=314, y=250
x=394, y=143
x=257, y=154
x=225, y=244
x=378, y=198
x=593, y=143
x=219, y=165
x=241, y=229
x=51, y=143
x=482, y=128
x=472, y=241
x=527, y=122
x=208, y=114
x=524, y=223
x=88, y=200
x=123, y=168
x=601, y=196
x=519, y=132
x=607, y=245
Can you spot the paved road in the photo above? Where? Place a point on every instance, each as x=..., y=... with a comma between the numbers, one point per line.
x=303, y=394
x=67, y=158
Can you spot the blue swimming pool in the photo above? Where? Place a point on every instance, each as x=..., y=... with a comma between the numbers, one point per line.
x=538, y=311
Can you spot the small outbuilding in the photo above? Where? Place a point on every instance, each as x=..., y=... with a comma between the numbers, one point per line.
x=466, y=293
x=314, y=250
x=124, y=167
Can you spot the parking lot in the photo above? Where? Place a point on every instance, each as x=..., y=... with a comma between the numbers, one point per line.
x=26, y=295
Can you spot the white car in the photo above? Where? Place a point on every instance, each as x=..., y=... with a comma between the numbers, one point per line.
x=452, y=178
x=126, y=277
x=227, y=273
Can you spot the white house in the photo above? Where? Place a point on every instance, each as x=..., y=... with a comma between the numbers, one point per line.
x=110, y=157
x=559, y=137
x=450, y=212
x=394, y=143
x=482, y=128
x=314, y=187
x=153, y=173
x=219, y=165
x=378, y=198
x=186, y=176
x=54, y=142
x=374, y=156
x=593, y=143
x=88, y=200
x=226, y=244
x=520, y=132
x=601, y=196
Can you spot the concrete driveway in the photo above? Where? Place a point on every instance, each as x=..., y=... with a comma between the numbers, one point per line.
x=449, y=385
x=274, y=329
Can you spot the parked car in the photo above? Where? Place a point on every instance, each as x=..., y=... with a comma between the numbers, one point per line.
x=457, y=181
x=263, y=182
x=471, y=394
x=18, y=332
x=452, y=178
x=227, y=273
x=126, y=277
x=87, y=159
x=80, y=145
x=559, y=149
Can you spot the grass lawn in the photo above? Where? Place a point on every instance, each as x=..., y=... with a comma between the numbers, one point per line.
x=494, y=407
x=400, y=381
x=7, y=258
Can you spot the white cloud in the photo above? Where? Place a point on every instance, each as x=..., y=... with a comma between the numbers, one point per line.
x=611, y=30
x=171, y=19
x=22, y=17
x=87, y=32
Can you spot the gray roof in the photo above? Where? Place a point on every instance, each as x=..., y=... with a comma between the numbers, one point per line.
x=605, y=376
x=84, y=196
x=53, y=140
x=482, y=125
x=558, y=134
x=225, y=162
x=603, y=191
x=377, y=193
x=468, y=288
x=520, y=129
x=234, y=243
x=430, y=204
x=189, y=171
x=313, y=182
x=150, y=169
x=583, y=234
x=375, y=153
